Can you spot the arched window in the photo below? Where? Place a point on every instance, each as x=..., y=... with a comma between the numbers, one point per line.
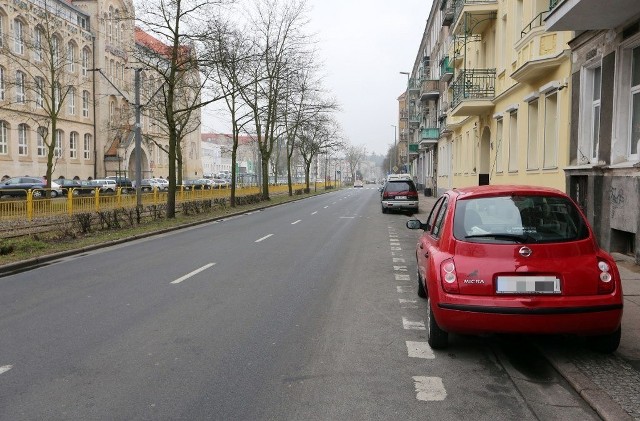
x=39, y=92
x=85, y=103
x=73, y=145
x=23, y=145
x=86, y=150
x=71, y=101
x=18, y=36
x=86, y=61
x=55, y=48
x=2, y=82
x=59, y=142
x=110, y=25
x=4, y=138
x=37, y=44
x=20, y=87
x=112, y=110
x=40, y=135
x=71, y=57
x=2, y=27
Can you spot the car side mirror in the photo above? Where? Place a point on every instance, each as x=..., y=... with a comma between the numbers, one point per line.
x=415, y=224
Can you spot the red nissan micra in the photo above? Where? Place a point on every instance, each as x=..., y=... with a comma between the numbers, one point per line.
x=515, y=259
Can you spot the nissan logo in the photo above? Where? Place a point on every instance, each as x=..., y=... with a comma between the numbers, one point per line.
x=525, y=252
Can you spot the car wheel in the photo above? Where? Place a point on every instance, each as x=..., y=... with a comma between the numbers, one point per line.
x=436, y=337
x=384, y=210
x=75, y=192
x=54, y=193
x=606, y=343
x=37, y=194
x=422, y=292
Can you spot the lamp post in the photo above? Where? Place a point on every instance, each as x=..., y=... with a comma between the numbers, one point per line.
x=395, y=150
x=407, y=102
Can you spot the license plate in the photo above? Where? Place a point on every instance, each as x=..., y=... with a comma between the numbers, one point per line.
x=401, y=197
x=528, y=285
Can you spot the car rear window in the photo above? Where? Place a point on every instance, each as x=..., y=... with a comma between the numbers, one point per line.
x=397, y=186
x=518, y=219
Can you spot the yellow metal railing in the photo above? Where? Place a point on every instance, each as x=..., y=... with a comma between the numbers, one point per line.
x=36, y=207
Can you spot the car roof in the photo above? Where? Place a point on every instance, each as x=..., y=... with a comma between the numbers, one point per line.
x=502, y=190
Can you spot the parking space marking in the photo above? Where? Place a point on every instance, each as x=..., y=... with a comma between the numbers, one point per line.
x=263, y=238
x=399, y=260
x=429, y=388
x=5, y=368
x=401, y=277
x=406, y=301
x=313, y=213
x=396, y=248
x=295, y=222
x=420, y=350
x=404, y=290
x=190, y=274
x=409, y=325
x=400, y=268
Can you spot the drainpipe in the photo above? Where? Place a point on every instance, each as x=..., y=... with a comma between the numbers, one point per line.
x=95, y=132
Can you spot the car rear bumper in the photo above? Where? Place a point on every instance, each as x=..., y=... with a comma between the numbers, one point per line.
x=400, y=204
x=576, y=315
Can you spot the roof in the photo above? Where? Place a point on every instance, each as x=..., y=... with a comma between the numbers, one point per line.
x=154, y=44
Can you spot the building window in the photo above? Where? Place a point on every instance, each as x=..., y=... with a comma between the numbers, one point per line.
x=71, y=101
x=513, y=141
x=39, y=92
x=58, y=148
x=85, y=103
x=86, y=60
x=532, y=141
x=55, y=48
x=499, y=147
x=71, y=58
x=37, y=44
x=23, y=148
x=57, y=95
x=551, y=111
x=590, y=115
x=40, y=135
x=4, y=138
x=635, y=102
x=1, y=30
x=20, y=86
x=73, y=145
x=2, y=83
x=86, y=151
x=18, y=37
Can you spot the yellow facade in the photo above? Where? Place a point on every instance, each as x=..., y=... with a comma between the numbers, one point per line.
x=509, y=115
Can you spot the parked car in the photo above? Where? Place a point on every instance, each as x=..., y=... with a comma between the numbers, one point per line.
x=78, y=187
x=125, y=184
x=219, y=183
x=358, y=184
x=514, y=259
x=148, y=184
x=399, y=194
x=106, y=185
x=18, y=186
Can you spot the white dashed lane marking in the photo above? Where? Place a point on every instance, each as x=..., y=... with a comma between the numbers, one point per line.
x=400, y=268
x=398, y=260
x=263, y=238
x=409, y=325
x=295, y=222
x=5, y=368
x=190, y=274
x=420, y=350
x=429, y=388
x=403, y=289
x=313, y=213
x=401, y=277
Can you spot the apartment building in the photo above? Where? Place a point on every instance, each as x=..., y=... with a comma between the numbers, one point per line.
x=490, y=87
x=603, y=174
x=216, y=154
x=93, y=45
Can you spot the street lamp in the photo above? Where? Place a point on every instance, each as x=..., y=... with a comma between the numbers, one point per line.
x=395, y=150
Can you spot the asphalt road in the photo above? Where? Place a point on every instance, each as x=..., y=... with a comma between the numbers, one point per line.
x=304, y=311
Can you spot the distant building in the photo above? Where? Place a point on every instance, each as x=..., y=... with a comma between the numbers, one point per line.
x=217, y=149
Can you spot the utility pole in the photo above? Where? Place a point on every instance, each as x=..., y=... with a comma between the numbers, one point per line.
x=138, y=139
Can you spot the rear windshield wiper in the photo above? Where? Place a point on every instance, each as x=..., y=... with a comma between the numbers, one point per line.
x=509, y=237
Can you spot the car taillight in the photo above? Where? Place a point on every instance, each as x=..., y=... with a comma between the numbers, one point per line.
x=448, y=277
x=386, y=195
x=413, y=195
x=605, y=281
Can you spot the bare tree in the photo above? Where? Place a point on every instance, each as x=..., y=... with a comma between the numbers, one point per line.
x=315, y=137
x=181, y=28
x=277, y=39
x=354, y=156
x=46, y=78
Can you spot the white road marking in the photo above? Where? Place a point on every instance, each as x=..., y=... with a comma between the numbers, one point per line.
x=420, y=350
x=347, y=217
x=401, y=277
x=404, y=300
x=313, y=213
x=295, y=222
x=400, y=268
x=190, y=274
x=396, y=248
x=429, y=388
x=404, y=290
x=409, y=325
x=399, y=260
x=263, y=238
x=5, y=368
x=326, y=207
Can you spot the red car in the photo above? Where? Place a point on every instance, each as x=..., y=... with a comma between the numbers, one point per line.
x=515, y=259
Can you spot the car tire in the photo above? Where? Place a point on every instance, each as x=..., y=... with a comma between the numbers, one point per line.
x=607, y=343
x=37, y=194
x=436, y=337
x=75, y=192
x=384, y=210
x=422, y=292
x=54, y=194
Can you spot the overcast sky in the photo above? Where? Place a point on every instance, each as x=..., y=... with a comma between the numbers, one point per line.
x=363, y=46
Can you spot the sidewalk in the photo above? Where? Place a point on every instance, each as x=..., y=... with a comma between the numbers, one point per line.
x=609, y=383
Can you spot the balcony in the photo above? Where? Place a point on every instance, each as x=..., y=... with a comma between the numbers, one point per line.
x=414, y=119
x=413, y=149
x=413, y=84
x=458, y=48
x=539, y=52
x=473, y=92
x=429, y=135
x=584, y=15
x=473, y=16
x=430, y=90
x=446, y=70
x=448, y=11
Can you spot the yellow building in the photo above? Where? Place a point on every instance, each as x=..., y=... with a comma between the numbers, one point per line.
x=504, y=113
